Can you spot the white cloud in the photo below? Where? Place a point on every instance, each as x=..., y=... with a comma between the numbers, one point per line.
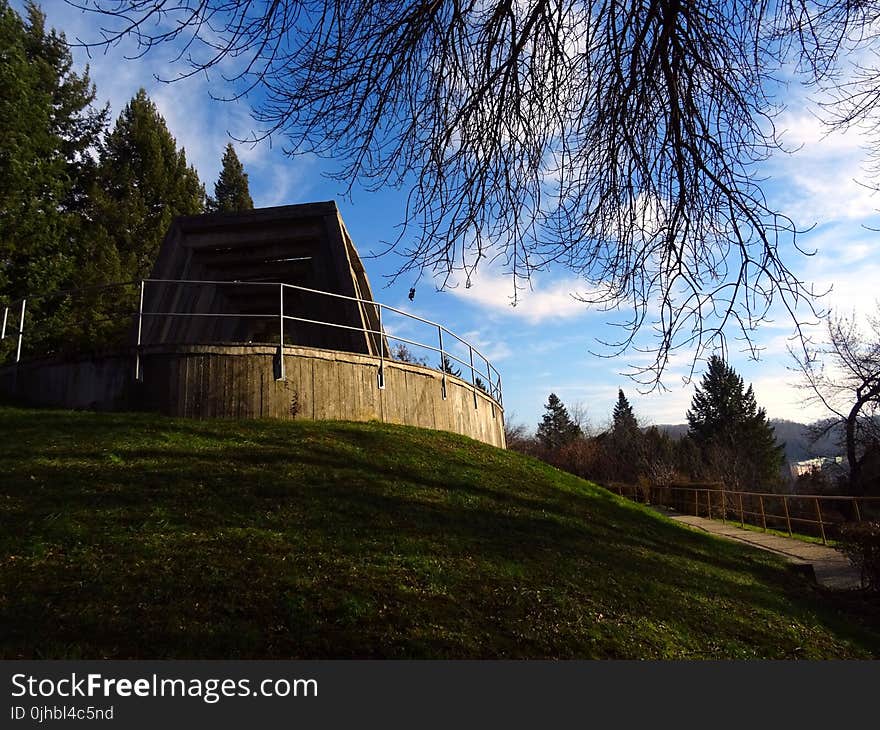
x=782, y=399
x=488, y=344
x=543, y=301
x=823, y=178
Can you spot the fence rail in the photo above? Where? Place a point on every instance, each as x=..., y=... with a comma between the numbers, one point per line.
x=818, y=515
x=458, y=350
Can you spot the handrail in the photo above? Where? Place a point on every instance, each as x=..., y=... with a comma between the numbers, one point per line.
x=75, y=290
x=787, y=495
x=492, y=386
x=716, y=502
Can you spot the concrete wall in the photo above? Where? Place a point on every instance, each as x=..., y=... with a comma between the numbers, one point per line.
x=238, y=381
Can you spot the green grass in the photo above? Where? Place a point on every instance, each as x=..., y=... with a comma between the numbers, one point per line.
x=769, y=531
x=784, y=533
x=141, y=536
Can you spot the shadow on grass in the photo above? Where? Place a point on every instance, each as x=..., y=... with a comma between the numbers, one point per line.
x=270, y=540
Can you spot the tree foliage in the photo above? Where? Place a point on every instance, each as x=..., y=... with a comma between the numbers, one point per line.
x=144, y=181
x=445, y=365
x=623, y=420
x=623, y=443
x=231, y=192
x=618, y=139
x=731, y=431
x=47, y=129
x=556, y=428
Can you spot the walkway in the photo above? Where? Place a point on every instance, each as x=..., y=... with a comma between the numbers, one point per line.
x=831, y=567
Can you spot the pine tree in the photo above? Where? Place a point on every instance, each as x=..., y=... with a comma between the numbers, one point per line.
x=624, y=420
x=231, y=192
x=47, y=128
x=445, y=365
x=556, y=428
x=731, y=431
x=143, y=183
x=624, y=448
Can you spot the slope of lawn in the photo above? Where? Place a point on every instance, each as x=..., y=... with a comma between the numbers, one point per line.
x=132, y=535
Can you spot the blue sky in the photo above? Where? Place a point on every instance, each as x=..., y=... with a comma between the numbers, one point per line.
x=545, y=343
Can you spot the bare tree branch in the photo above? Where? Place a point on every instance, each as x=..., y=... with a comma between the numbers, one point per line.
x=843, y=375
x=619, y=139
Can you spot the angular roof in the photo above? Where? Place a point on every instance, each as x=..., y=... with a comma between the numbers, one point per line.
x=304, y=245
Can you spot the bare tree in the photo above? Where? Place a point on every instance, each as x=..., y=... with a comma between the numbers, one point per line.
x=580, y=416
x=618, y=139
x=843, y=375
x=517, y=436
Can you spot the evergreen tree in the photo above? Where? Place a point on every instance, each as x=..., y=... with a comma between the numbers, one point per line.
x=143, y=183
x=731, y=431
x=47, y=127
x=231, y=192
x=624, y=420
x=446, y=366
x=556, y=428
x=623, y=445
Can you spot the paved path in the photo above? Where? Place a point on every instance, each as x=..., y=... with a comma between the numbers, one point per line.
x=831, y=567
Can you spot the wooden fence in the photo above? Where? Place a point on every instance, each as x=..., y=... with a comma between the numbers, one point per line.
x=818, y=515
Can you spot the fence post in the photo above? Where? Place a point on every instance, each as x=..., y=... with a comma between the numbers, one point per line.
x=381, y=350
x=787, y=516
x=858, y=514
x=763, y=517
x=709, y=503
x=138, y=376
x=20, y=331
x=281, y=333
x=723, y=506
x=821, y=525
x=474, y=375
x=742, y=520
x=492, y=386
x=442, y=362
x=5, y=317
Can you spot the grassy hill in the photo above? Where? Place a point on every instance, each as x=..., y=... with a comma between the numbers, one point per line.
x=141, y=536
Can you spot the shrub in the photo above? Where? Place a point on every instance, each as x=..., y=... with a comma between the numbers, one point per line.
x=861, y=543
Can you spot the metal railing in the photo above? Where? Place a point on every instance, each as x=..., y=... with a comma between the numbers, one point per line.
x=455, y=350
x=817, y=514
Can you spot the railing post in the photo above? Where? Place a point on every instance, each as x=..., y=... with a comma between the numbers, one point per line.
x=20, y=331
x=763, y=517
x=5, y=317
x=138, y=375
x=787, y=516
x=696, y=503
x=442, y=362
x=490, y=385
x=821, y=524
x=723, y=506
x=709, y=503
x=281, y=332
x=381, y=374
x=858, y=514
x=742, y=520
x=474, y=375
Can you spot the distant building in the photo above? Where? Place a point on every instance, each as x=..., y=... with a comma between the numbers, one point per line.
x=832, y=464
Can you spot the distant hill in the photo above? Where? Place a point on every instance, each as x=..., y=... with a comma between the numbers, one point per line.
x=797, y=438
